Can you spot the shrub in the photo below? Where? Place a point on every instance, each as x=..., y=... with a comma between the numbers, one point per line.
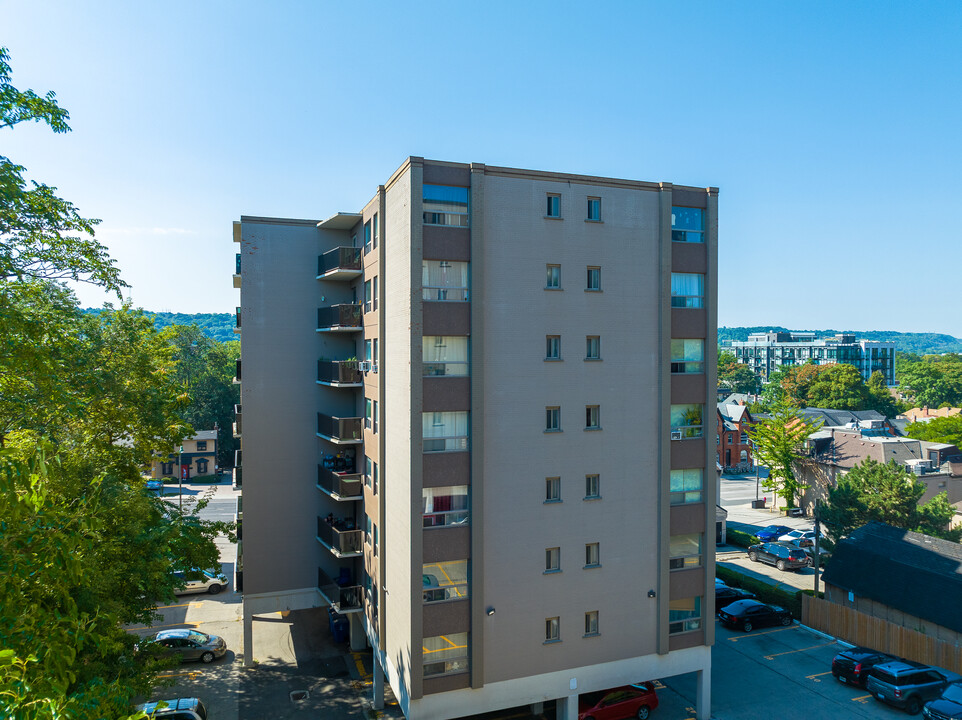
x=742, y=539
x=790, y=600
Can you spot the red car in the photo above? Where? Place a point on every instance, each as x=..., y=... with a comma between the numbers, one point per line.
x=630, y=701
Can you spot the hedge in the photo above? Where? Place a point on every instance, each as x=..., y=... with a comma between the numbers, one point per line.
x=791, y=601
x=742, y=539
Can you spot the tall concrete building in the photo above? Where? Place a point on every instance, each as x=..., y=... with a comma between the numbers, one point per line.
x=474, y=427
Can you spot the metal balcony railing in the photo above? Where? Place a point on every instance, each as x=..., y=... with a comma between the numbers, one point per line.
x=339, y=430
x=343, y=598
x=339, y=538
x=342, y=486
x=342, y=317
x=237, y=458
x=237, y=264
x=338, y=372
x=340, y=262
x=237, y=315
x=237, y=371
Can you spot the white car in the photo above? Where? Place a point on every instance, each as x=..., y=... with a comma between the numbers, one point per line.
x=208, y=582
x=798, y=535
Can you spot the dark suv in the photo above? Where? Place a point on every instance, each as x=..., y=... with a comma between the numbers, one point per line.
x=784, y=556
x=907, y=684
x=852, y=666
x=947, y=707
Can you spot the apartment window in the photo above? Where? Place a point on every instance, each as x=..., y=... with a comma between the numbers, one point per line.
x=445, y=506
x=374, y=416
x=684, y=615
x=368, y=413
x=445, y=581
x=444, y=355
x=687, y=356
x=552, y=489
x=368, y=471
x=552, y=419
x=592, y=555
x=591, y=623
x=445, y=654
x=374, y=221
x=374, y=478
x=592, y=417
x=445, y=431
x=594, y=209
x=446, y=205
x=684, y=551
x=367, y=296
x=743, y=438
x=553, y=281
x=374, y=355
x=368, y=528
x=685, y=486
x=729, y=438
x=374, y=292
x=552, y=347
x=167, y=468
x=367, y=237
x=444, y=281
x=687, y=224
x=201, y=446
x=201, y=466
x=687, y=290
x=368, y=350
x=592, y=487
x=552, y=560
x=553, y=208
x=593, y=347
x=594, y=278
x=552, y=629
x=686, y=421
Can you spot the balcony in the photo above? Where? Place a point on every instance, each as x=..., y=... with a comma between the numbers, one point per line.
x=342, y=486
x=337, y=318
x=237, y=421
x=237, y=459
x=238, y=477
x=341, y=263
x=341, y=431
x=343, y=598
x=237, y=372
x=340, y=537
x=339, y=373
x=237, y=270
x=237, y=316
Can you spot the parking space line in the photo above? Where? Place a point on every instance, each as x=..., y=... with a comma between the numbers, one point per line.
x=817, y=675
x=789, y=652
x=751, y=635
x=360, y=666
x=154, y=627
x=861, y=698
x=164, y=607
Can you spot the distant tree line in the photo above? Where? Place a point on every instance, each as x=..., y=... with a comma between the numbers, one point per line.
x=921, y=343
x=216, y=326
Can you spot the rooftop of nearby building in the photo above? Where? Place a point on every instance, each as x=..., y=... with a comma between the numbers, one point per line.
x=907, y=571
x=847, y=447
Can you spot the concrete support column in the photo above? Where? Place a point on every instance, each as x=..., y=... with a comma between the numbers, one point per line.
x=378, y=683
x=358, y=636
x=248, y=639
x=566, y=708
x=536, y=708
x=703, y=695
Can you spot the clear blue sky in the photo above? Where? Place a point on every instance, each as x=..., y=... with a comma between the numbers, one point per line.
x=833, y=130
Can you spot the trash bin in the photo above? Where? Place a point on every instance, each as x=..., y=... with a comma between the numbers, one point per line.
x=758, y=504
x=340, y=629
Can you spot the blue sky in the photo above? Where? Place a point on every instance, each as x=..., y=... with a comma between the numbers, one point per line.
x=832, y=129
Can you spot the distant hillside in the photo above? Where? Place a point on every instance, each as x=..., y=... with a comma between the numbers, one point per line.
x=219, y=326
x=921, y=343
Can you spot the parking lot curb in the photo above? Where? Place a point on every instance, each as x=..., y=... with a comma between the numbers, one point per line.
x=826, y=636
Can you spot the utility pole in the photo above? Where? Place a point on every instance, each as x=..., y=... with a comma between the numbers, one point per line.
x=818, y=532
x=180, y=474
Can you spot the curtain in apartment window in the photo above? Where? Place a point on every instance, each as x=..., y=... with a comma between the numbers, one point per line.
x=444, y=348
x=444, y=424
x=444, y=499
x=688, y=284
x=444, y=273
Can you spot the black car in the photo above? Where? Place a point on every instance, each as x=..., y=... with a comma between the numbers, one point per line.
x=852, y=666
x=907, y=684
x=725, y=596
x=947, y=707
x=748, y=614
x=784, y=556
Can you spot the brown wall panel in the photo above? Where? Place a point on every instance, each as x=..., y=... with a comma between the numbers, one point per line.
x=680, y=642
x=454, y=318
x=447, y=175
x=685, y=198
x=448, y=243
x=686, y=583
x=688, y=389
x=446, y=468
x=448, y=394
x=685, y=323
x=443, y=544
x=446, y=683
x=689, y=257
x=444, y=618
x=688, y=518
x=688, y=454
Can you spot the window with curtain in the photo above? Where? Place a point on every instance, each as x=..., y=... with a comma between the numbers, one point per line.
x=445, y=431
x=445, y=654
x=444, y=355
x=687, y=290
x=684, y=615
x=446, y=205
x=688, y=356
x=687, y=225
x=686, y=485
x=444, y=506
x=684, y=551
x=444, y=280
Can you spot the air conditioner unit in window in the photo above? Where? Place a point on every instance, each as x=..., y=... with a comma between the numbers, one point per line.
x=676, y=434
x=364, y=366
x=374, y=367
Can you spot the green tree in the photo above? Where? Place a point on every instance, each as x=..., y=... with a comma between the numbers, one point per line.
x=934, y=381
x=778, y=439
x=881, y=398
x=942, y=430
x=887, y=493
x=735, y=375
x=839, y=387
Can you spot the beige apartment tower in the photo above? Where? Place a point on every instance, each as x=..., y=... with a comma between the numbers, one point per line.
x=475, y=432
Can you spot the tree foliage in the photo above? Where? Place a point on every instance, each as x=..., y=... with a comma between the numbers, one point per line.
x=886, y=493
x=943, y=430
x=836, y=387
x=932, y=381
x=735, y=375
x=777, y=440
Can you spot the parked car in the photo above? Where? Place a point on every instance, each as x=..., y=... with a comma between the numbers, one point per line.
x=207, y=581
x=189, y=644
x=772, y=532
x=176, y=709
x=823, y=555
x=749, y=614
x=908, y=685
x=784, y=556
x=799, y=534
x=630, y=701
x=155, y=484
x=852, y=666
x=725, y=596
x=947, y=707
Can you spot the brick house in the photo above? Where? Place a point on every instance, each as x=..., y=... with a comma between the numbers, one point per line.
x=734, y=446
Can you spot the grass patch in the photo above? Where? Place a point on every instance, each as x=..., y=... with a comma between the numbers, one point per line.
x=790, y=600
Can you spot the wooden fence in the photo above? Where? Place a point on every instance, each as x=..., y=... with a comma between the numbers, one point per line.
x=859, y=628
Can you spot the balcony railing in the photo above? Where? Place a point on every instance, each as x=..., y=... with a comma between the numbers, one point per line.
x=237, y=459
x=447, y=518
x=339, y=430
x=340, y=539
x=337, y=318
x=338, y=372
x=342, y=486
x=237, y=421
x=237, y=371
x=343, y=598
x=237, y=317
x=341, y=263
x=237, y=264
x=435, y=293
x=445, y=444
x=238, y=477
